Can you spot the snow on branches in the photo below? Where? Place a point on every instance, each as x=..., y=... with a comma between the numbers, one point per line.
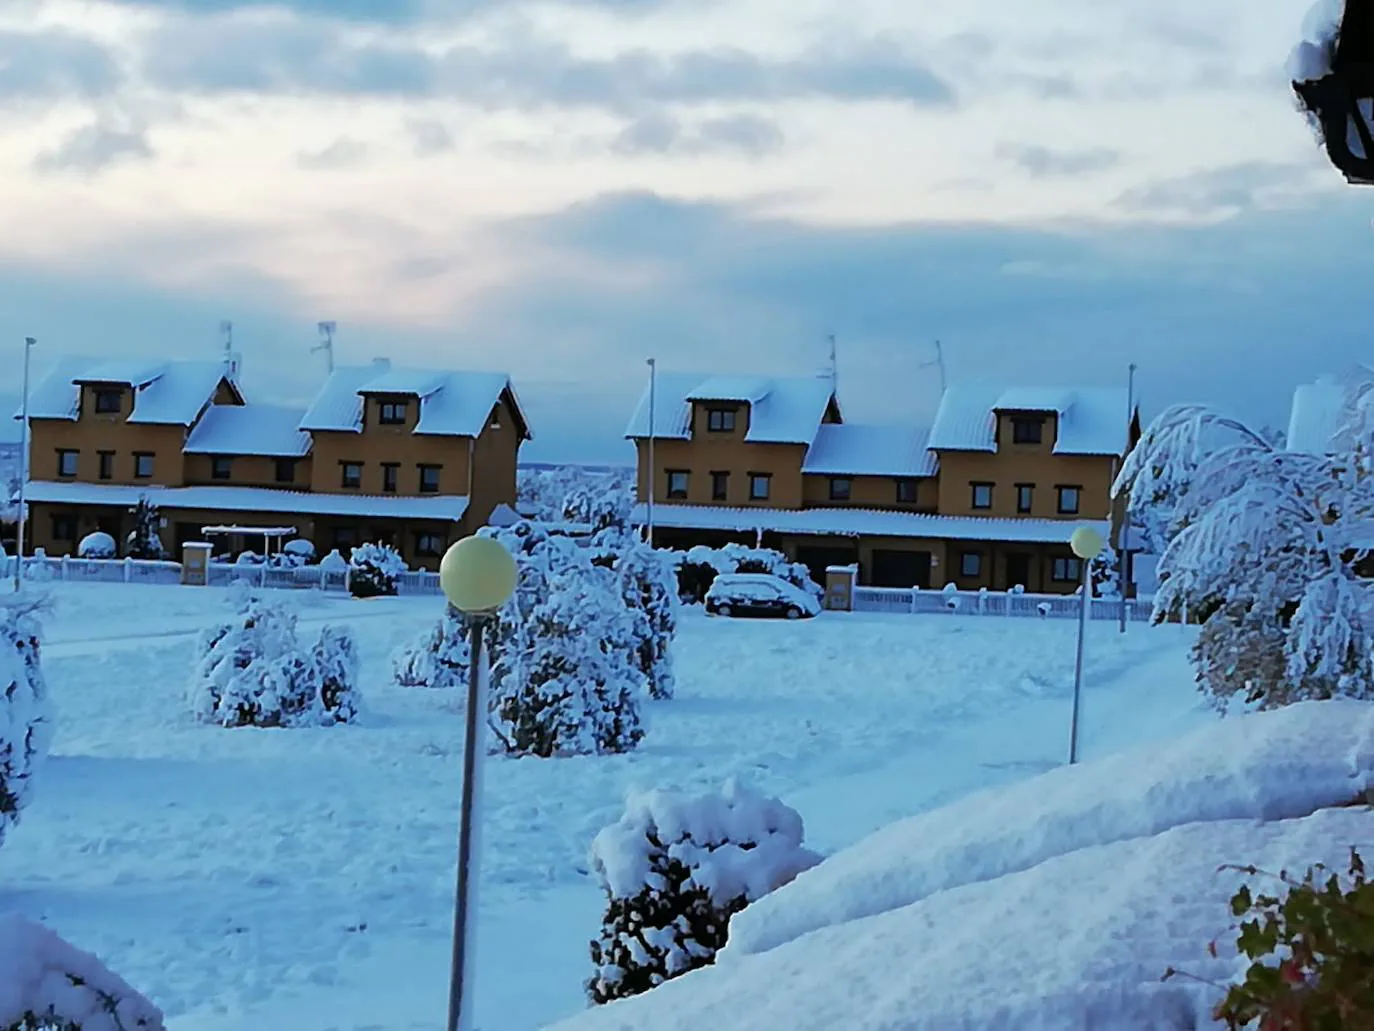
x=439, y=658
x=374, y=570
x=25, y=718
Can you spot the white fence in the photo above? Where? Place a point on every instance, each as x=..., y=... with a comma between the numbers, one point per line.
x=996, y=603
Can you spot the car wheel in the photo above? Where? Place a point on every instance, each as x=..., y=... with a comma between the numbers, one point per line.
x=722, y=610
x=794, y=613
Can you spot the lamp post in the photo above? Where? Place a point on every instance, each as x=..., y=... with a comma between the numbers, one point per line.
x=1337, y=89
x=653, y=475
x=1087, y=545
x=23, y=469
x=478, y=576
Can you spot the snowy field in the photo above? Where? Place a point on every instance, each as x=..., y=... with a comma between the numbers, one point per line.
x=247, y=879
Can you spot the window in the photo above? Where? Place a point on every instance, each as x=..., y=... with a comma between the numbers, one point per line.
x=429, y=544
x=393, y=413
x=1067, y=570
x=220, y=468
x=677, y=483
x=345, y=537
x=840, y=488
x=143, y=465
x=351, y=474
x=1068, y=500
x=107, y=466
x=286, y=470
x=429, y=479
x=108, y=402
x=1027, y=431
x=1025, y=494
x=760, y=486
x=906, y=492
x=64, y=527
x=66, y=463
x=971, y=563
x=982, y=495
x=390, y=473
x=495, y=421
x=720, y=420
x=720, y=486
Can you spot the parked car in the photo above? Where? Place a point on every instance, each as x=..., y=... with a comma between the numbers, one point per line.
x=758, y=594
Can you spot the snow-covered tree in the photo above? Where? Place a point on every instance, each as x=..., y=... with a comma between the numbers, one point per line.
x=145, y=542
x=439, y=658
x=1105, y=573
x=601, y=506
x=649, y=589
x=542, y=493
x=335, y=654
x=97, y=545
x=25, y=718
x=675, y=868
x=374, y=570
x=48, y=985
x=699, y=566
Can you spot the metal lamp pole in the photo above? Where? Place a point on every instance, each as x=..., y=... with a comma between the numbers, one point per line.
x=1087, y=545
x=23, y=468
x=653, y=473
x=1124, y=564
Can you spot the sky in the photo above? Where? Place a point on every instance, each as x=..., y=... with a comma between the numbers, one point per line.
x=564, y=189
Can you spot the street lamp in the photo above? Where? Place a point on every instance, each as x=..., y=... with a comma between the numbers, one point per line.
x=478, y=576
x=23, y=469
x=1087, y=544
x=1335, y=84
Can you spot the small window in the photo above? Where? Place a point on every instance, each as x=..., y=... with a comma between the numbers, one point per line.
x=1027, y=431
x=720, y=420
x=720, y=486
x=393, y=413
x=351, y=474
x=429, y=544
x=1068, y=500
x=1067, y=570
x=495, y=421
x=344, y=539
x=390, y=475
x=143, y=465
x=677, y=483
x=108, y=402
x=66, y=463
x=840, y=488
x=221, y=468
x=760, y=486
x=1025, y=494
x=429, y=479
x=971, y=564
x=64, y=527
x=982, y=495
x=906, y=492
x=107, y=468
x=286, y=470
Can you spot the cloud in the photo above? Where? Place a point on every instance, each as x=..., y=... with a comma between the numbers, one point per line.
x=1220, y=191
x=54, y=64
x=1045, y=162
x=386, y=12
x=430, y=137
x=95, y=148
x=661, y=133
x=341, y=153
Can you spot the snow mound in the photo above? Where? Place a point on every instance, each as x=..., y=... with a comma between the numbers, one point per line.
x=44, y=978
x=96, y=545
x=1078, y=942
x=1266, y=766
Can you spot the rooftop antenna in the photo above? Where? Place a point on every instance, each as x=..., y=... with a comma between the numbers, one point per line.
x=834, y=370
x=938, y=363
x=231, y=360
x=326, y=343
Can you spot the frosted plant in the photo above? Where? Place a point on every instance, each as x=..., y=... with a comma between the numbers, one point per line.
x=439, y=658
x=374, y=570
x=648, y=586
x=145, y=542
x=96, y=545
x=543, y=493
x=335, y=655
x=25, y=716
x=601, y=506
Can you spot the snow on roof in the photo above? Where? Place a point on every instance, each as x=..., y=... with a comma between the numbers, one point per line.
x=856, y=449
x=419, y=382
x=249, y=430
x=1315, y=417
x=172, y=393
x=130, y=374
x=55, y=396
x=787, y=412
x=864, y=522
x=453, y=403
x=1092, y=420
x=444, y=507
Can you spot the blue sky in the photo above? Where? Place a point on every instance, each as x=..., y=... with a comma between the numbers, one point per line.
x=564, y=189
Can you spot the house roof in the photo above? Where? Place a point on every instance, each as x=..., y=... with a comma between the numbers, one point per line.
x=443, y=507
x=852, y=522
x=783, y=410
x=251, y=429
x=1092, y=420
x=452, y=403
x=170, y=393
x=1316, y=416
x=859, y=449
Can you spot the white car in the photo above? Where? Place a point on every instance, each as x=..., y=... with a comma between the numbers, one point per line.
x=758, y=594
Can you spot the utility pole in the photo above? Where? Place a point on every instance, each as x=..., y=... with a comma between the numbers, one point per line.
x=326, y=343
x=652, y=478
x=1126, y=564
x=23, y=469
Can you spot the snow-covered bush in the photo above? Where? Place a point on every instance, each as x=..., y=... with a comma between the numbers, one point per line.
x=649, y=589
x=25, y=719
x=248, y=558
x=374, y=570
x=674, y=869
x=694, y=582
x=301, y=550
x=334, y=562
x=1105, y=573
x=48, y=985
x=439, y=658
x=97, y=545
x=604, y=506
x=253, y=671
x=37, y=568
x=145, y=542
x=542, y=493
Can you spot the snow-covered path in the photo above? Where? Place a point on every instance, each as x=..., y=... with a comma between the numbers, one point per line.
x=248, y=879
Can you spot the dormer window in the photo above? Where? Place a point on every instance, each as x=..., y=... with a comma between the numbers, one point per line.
x=108, y=402
x=393, y=413
x=495, y=422
x=1026, y=430
x=720, y=420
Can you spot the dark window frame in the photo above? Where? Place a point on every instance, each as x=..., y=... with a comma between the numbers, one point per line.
x=1066, y=563
x=964, y=557
x=672, y=492
x=974, y=487
x=721, y=420
x=139, y=457
x=285, y=465
x=1028, y=491
x=426, y=486
x=64, y=519
x=907, y=485
x=391, y=477
x=100, y=405
x=841, y=493
x=1027, y=429
x=63, y=453
x=393, y=413
x=221, y=467
x=105, y=468
x=754, y=480
x=1059, y=489
x=349, y=482
x=433, y=552
x=720, y=486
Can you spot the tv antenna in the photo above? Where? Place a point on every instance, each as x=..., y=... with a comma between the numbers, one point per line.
x=326, y=343
x=834, y=370
x=938, y=363
x=226, y=330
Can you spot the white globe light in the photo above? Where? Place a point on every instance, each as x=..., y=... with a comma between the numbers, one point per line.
x=478, y=574
x=1086, y=543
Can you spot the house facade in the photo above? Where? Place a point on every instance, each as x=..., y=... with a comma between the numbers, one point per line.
x=413, y=458
x=987, y=496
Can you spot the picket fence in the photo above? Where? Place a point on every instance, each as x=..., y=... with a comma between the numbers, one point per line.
x=995, y=603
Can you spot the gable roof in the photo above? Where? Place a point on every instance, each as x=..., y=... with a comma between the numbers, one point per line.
x=783, y=409
x=267, y=430
x=452, y=403
x=1315, y=417
x=858, y=449
x=169, y=393
x=1092, y=420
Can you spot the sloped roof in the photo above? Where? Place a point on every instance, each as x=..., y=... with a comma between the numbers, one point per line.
x=251, y=429
x=129, y=373
x=788, y=410
x=171, y=393
x=1315, y=417
x=859, y=449
x=1092, y=420
x=452, y=403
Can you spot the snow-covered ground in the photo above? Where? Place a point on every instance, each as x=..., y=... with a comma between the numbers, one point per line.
x=246, y=879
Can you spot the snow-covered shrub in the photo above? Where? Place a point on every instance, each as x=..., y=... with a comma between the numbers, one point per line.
x=248, y=558
x=542, y=493
x=37, y=568
x=374, y=570
x=300, y=549
x=334, y=562
x=97, y=545
x=649, y=589
x=336, y=663
x=48, y=985
x=1104, y=572
x=439, y=658
x=603, y=506
x=25, y=719
x=694, y=582
x=145, y=542
x=675, y=868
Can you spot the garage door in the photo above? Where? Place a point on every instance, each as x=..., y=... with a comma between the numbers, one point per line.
x=900, y=568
